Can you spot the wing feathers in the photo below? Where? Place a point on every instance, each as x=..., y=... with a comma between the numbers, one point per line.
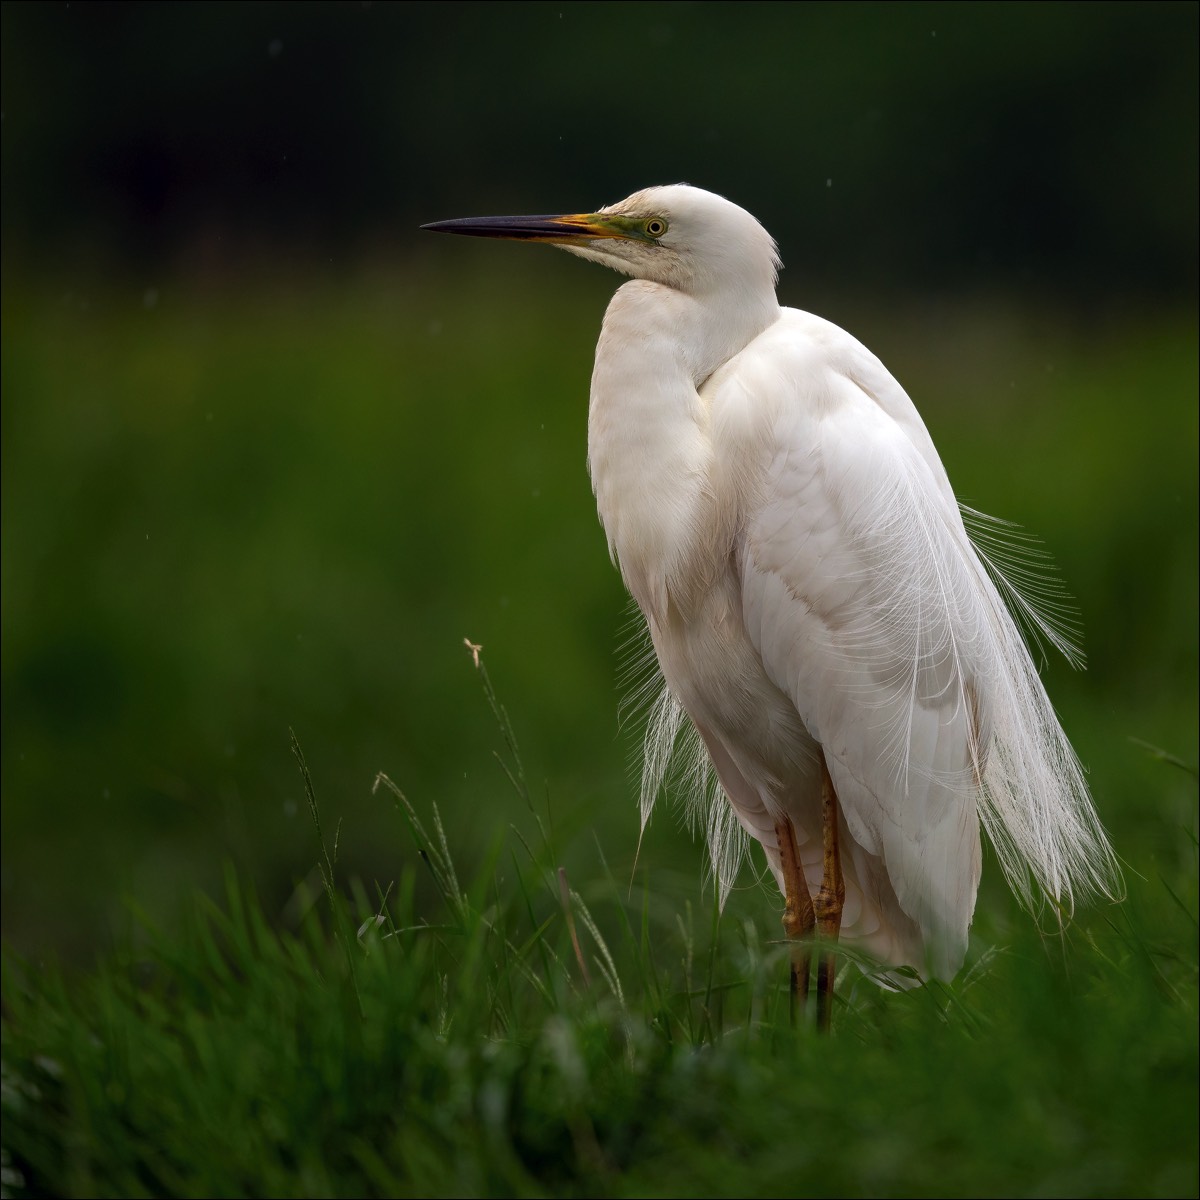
x=905, y=663
x=890, y=632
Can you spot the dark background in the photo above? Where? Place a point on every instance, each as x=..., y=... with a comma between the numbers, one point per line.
x=919, y=144
x=269, y=453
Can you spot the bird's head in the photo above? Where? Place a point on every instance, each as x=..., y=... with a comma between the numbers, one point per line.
x=680, y=236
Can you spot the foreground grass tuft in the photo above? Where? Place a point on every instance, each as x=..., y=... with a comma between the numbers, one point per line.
x=518, y=1032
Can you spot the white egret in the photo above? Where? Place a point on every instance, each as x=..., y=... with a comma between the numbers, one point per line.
x=844, y=651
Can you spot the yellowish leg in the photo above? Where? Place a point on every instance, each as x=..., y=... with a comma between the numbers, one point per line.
x=830, y=899
x=799, y=918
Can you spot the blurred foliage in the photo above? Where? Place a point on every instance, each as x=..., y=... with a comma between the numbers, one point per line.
x=910, y=143
x=526, y=1035
x=269, y=455
x=224, y=515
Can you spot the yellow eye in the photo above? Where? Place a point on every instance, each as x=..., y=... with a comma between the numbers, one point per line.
x=655, y=227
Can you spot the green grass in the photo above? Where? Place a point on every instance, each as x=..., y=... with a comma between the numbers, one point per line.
x=525, y=1033
x=283, y=504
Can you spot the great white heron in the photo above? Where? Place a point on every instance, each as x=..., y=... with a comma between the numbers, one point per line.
x=842, y=647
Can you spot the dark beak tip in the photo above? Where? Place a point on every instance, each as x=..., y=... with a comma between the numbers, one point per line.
x=515, y=228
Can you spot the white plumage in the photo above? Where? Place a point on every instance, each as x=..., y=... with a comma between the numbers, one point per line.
x=783, y=521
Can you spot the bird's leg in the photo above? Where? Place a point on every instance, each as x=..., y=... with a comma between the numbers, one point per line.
x=799, y=919
x=830, y=899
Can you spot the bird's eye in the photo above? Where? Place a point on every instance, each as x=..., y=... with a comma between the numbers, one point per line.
x=655, y=227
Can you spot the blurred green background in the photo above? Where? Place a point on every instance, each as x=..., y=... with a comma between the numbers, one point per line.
x=270, y=454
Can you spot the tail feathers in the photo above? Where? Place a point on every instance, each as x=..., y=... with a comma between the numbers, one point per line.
x=1034, y=802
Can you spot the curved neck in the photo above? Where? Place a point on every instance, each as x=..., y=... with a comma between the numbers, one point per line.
x=649, y=451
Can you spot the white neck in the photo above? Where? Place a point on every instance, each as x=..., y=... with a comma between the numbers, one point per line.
x=649, y=452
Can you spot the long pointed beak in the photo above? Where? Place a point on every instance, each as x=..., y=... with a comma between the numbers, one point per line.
x=568, y=229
